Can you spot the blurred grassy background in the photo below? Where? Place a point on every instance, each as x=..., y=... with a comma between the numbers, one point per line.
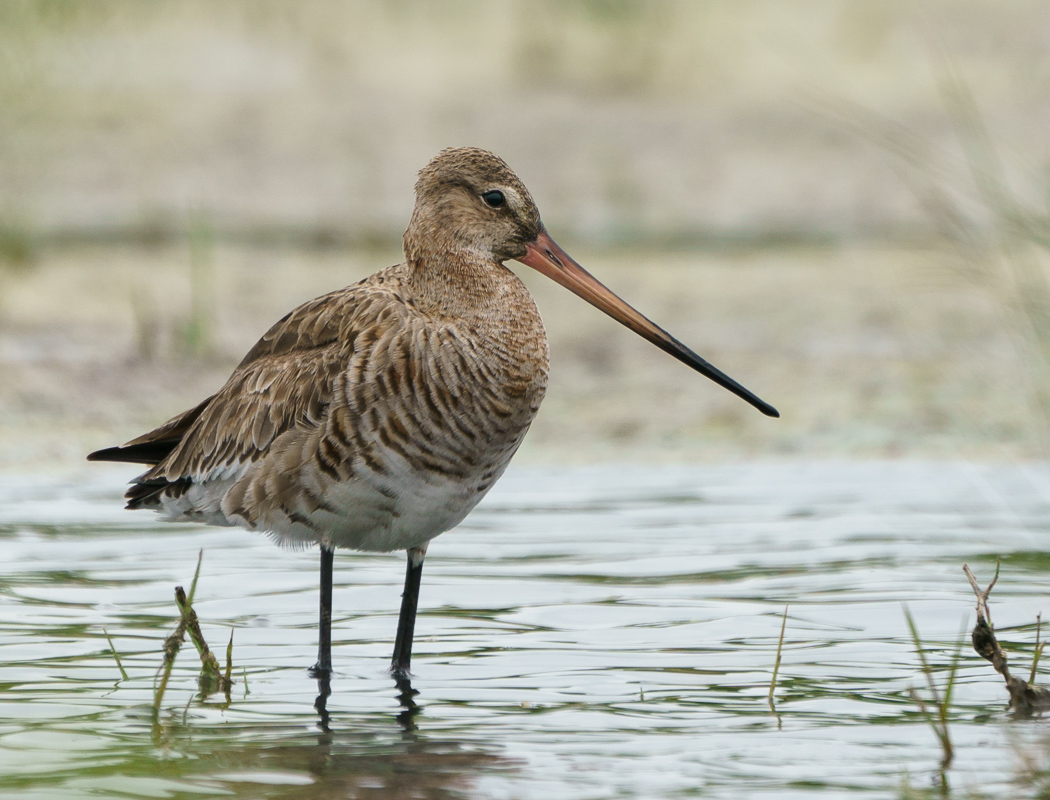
x=785, y=185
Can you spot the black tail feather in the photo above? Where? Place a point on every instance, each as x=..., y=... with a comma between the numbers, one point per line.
x=151, y=453
x=146, y=493
x=158, y=444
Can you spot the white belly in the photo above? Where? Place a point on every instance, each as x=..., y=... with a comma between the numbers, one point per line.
x=396, y=509
x=372, y=521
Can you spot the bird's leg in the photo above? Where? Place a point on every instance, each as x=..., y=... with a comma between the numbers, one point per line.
x=323, y=667
x=406, y=623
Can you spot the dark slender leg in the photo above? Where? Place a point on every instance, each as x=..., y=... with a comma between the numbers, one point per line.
x=323, y=667
x=406, y=623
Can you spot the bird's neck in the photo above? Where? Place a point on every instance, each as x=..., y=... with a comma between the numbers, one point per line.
x=485, y=300
x=457, y=283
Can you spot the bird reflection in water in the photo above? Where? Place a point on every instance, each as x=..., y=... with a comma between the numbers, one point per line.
x=355, y=757
x=405, y=695
x=376, y=755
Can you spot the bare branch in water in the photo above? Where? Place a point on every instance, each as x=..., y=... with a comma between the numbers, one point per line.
x=1025, y=698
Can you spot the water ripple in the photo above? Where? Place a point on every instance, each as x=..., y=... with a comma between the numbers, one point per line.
x=586, y=633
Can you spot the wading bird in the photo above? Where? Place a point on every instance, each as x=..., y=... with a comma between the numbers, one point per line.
x=376, y=417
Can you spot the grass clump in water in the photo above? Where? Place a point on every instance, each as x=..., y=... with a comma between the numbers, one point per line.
x=212, y=679
x=935, y=709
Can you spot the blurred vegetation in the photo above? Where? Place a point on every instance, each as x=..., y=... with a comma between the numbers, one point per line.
x=198, y=336
x=302, y=123
x=18, y=245
x=178, y=174
x=997, y=236
x=1008, y=251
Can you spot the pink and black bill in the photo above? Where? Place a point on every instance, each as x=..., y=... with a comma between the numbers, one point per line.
x=545, y=256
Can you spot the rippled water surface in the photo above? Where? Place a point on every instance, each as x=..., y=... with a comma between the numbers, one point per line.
x=588, y=633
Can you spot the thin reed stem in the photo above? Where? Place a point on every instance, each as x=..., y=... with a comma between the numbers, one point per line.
x=124, y=675
x=780, y=648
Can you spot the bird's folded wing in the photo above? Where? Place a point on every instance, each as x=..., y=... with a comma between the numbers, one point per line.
x=286, y=381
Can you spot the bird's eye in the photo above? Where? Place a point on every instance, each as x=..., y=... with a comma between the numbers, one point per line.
x=494, y=199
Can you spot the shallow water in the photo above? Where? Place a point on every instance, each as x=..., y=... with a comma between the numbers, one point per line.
x=587, y=633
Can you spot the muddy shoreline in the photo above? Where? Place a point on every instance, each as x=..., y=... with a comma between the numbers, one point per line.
x=867, y=352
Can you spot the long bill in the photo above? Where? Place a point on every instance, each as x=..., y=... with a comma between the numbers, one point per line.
x=544, y=255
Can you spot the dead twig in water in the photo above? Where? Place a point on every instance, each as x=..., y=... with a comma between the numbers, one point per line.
x=172, y=645
x=227, y=679
x=1025, y=698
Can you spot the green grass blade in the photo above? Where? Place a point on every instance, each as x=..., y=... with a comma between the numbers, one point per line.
x=927, y=671
x=229, y=661
x=196, y=575
x=124, y=675
x=780, y=648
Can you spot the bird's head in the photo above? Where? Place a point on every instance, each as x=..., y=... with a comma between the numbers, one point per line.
x=469, y=201
x=472, y=209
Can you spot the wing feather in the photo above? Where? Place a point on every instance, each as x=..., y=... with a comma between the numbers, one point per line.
x=286, y=381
